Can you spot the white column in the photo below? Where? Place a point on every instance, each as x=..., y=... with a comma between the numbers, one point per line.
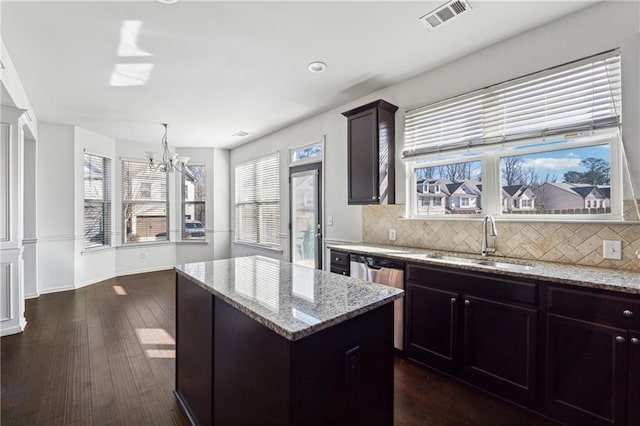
x=12, y=318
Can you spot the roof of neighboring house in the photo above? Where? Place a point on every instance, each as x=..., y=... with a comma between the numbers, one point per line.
x=582, y=189
x=448, y=187
x=514, y=189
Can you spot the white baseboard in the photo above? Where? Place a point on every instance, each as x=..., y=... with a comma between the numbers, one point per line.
x=93, y=281
x=57, y=289
x=32, y=295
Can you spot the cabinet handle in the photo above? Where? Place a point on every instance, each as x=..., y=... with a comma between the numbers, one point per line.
x=627, y=313
x=467, y=302
x=635, y=341
x=337, y=258
x=620, y=339
x=453, y=300
x=344, y=273
x=373, y=197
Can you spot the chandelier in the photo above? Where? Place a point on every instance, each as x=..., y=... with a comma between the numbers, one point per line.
x=170, y=160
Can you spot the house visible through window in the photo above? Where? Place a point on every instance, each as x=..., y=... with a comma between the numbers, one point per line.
x=193, y=203
x=97, y=201
x=545, y=144
x=257, y=201
x=145, y=203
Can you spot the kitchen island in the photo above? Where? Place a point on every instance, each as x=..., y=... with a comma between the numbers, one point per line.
x=265, y=342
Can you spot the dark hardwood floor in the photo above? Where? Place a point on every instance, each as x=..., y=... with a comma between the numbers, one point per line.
x=104, y=355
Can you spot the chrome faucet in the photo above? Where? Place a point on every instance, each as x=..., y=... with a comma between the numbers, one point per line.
x=494, y=233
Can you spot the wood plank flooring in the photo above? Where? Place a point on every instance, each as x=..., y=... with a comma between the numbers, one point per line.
x=104, y=355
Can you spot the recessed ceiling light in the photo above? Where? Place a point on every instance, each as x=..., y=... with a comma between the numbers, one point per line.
x=317, y=66
x=240, y=134
x=168, y=1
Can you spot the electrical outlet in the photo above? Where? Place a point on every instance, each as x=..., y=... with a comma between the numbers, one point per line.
x=143, y=255
x=352, y=364
x=638, y=253
x=392, y=234
x=330, y=221
x=612, y=249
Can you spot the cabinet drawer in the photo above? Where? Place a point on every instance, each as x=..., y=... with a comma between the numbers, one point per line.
x=342, y=270
x=483, y=285
x=617, y=310
x=339, y=258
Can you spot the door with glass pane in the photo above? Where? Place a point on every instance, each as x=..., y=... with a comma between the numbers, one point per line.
x=306, y=220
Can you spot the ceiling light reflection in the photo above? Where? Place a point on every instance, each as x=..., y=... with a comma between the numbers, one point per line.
x=130, y=74
x=129, y=40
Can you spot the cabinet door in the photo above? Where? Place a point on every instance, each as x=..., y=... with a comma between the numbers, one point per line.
x=587, y=374
x=431, y=324
x=500, y=352
x=363, y=158
x=634, y=378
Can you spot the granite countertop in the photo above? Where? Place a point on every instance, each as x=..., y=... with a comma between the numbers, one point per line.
x=584, y=276
x=292, y=300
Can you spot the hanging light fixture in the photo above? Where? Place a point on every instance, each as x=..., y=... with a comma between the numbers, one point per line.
x=170, y=160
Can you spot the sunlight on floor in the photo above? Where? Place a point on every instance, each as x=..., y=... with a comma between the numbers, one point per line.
x=119, y=290
x=154, y=336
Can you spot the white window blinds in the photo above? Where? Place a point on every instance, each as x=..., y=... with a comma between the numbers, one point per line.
x=97, y=201
x=193, y=202
x=257, y=202
x=581, y=95
x=145, y=203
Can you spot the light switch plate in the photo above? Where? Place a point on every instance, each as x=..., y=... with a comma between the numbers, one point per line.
x=330, y=221
x=392, y=234
x=612, y=249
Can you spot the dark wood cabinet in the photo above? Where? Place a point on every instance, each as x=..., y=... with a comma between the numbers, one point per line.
x=431, y=326
x=371, y=153
x=500, y=348
x=586, y=372
x=339, y=263
x=480, y=328
x=593, y=361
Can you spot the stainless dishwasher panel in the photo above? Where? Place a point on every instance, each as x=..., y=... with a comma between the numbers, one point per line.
x=385, y=272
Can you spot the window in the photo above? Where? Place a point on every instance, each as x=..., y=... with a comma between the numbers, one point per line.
x=562, y=181
x=193, y=202
x=457, y=182
x=547, y=143
x=310, y=153
x=257, y=201
x=97, y=201
x=145, y=203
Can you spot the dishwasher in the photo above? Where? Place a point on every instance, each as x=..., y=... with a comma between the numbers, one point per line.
x=387, y=272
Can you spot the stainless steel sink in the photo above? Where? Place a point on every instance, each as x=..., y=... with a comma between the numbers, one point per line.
x=455, y=260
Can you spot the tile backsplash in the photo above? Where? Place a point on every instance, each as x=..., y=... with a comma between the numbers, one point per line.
x=574, y=243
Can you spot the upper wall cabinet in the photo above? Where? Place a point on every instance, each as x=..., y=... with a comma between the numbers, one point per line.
x=371, y=138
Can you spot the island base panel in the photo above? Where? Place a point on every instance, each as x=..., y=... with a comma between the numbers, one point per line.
x=194, y=336
x=263, y=379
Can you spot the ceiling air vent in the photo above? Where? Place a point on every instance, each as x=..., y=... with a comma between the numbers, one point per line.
x=444, y=13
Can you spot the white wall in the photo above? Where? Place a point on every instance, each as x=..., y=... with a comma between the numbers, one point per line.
x=604, y=26
x=55, y=200
x=30, y=219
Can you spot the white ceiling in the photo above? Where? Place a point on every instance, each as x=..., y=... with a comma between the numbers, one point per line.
x=222, y=67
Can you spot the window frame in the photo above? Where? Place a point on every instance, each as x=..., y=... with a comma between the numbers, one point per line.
x=184, y=203
x=106, y=202
x=124, y=202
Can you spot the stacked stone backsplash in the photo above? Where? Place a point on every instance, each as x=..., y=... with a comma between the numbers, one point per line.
x=573, y=243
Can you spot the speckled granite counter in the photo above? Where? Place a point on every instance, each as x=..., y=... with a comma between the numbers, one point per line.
x=602, y=278
x=292, y=300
